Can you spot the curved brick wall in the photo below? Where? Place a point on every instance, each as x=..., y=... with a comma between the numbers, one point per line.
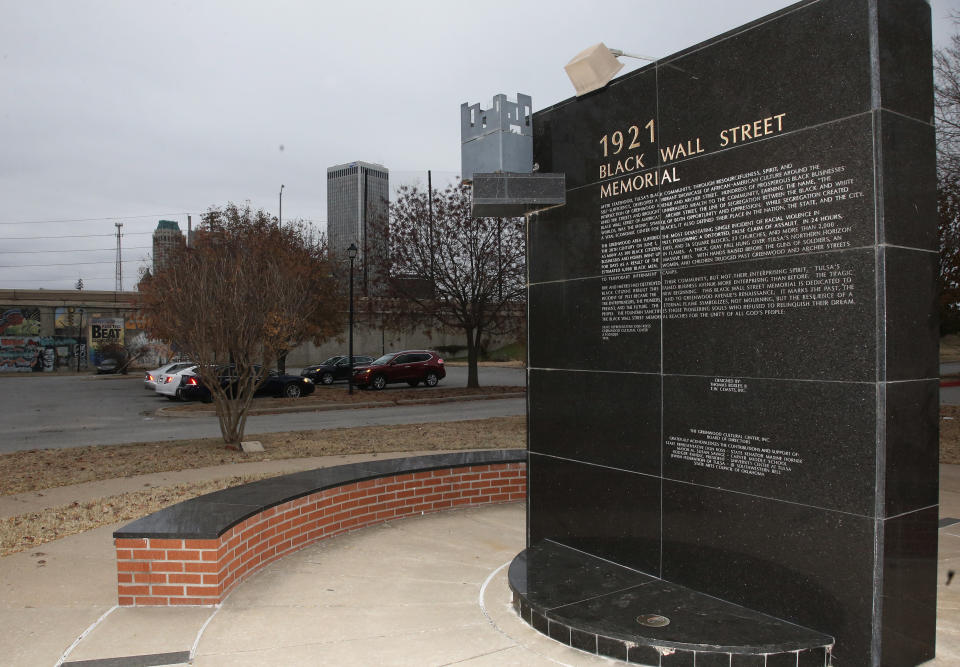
x=195, y=552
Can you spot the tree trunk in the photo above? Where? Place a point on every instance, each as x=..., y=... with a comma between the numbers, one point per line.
x=232, y=421
x=472, y=340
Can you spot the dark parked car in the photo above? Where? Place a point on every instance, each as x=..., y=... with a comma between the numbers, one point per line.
x=410, y=366
x=334, y=368
x=281, y=386
x=108, y=366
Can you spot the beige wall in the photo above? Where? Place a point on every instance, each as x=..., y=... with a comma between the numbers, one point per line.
x=369, y=340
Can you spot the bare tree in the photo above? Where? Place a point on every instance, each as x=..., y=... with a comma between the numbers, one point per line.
x=947, y=109
x=946, y=70
x=456, y=271
x=243, y=292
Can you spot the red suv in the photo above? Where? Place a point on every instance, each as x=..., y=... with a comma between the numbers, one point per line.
x=410, y=366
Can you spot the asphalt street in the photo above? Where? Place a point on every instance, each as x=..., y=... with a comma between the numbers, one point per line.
x=55, y=412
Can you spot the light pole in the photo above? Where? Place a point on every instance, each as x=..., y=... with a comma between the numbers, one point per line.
x=352, y=254
x=81, y=347
x=280, y=215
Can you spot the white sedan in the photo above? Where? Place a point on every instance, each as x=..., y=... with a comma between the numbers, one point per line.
x=150, y=377
x=168, y=384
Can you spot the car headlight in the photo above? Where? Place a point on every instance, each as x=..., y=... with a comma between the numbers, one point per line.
x=307, y=381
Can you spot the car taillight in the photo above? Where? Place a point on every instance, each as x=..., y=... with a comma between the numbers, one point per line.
x=192, y=382
x=168, y=380
x=440, y=361
x=150, y=378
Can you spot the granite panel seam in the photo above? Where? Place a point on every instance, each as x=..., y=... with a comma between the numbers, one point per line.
x=706, y=265
x=595, y=465
x=904, y=116
x=590, y=370
x=597, y=557
x=914, y=511
x=771, y=498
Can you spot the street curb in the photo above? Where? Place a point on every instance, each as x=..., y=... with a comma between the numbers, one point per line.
x=173, y=412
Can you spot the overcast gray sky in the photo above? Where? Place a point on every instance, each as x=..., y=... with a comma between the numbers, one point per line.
x=123, y=111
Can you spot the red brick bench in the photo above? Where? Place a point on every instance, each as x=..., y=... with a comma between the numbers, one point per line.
x=195, y=552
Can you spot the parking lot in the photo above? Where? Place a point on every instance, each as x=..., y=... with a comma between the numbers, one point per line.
x=49, y=411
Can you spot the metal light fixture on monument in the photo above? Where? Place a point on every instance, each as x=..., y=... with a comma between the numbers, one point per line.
x=496, y=148
x=595, y=66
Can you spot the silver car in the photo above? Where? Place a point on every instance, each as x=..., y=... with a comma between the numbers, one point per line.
x=150, y=377
x=168, y=384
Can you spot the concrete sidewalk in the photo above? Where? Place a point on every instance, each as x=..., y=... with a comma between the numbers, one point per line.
x=424, y=591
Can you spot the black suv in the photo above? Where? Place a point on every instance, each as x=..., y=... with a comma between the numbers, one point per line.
x=334, y=368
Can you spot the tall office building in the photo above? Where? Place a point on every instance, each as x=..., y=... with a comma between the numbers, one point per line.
x=166, y=237
x=358, y=199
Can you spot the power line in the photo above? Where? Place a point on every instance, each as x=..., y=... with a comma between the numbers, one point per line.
x=69, y=236
x=23, y=252
x=30, y=266
x=117, y=217
x=52, y=280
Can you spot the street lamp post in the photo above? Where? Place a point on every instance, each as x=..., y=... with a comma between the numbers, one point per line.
x=280, y=215
x=352, y=254
x=81, y=347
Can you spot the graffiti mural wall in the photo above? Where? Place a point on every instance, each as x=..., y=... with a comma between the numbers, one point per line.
x=19, y=321
x=68, y=321
x=35, y=354
x=149, y=352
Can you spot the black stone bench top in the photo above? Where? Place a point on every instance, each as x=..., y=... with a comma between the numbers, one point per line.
x=211, y=515
x=595, y=597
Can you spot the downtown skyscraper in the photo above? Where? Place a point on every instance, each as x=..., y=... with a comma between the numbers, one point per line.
x=358, y=199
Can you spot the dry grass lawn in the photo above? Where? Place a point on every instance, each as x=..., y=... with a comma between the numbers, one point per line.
x=36, y=470
x=950, y=348
x=950, y=434
x=47, y=468
x=29, y=530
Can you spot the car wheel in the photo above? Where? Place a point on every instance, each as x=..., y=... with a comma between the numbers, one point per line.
x=413, y=383
x=431, y=380
x=378, y=382
x=180, y=395
x=292, y=390
x=326, y=378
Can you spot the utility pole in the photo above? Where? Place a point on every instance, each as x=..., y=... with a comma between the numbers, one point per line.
x=118, y=286
x=280, y=215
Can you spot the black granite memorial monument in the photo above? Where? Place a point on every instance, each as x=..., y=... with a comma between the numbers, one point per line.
x=733, y=351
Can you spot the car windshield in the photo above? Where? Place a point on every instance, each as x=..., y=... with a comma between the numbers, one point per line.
x=331, y=361
x=385, y=359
